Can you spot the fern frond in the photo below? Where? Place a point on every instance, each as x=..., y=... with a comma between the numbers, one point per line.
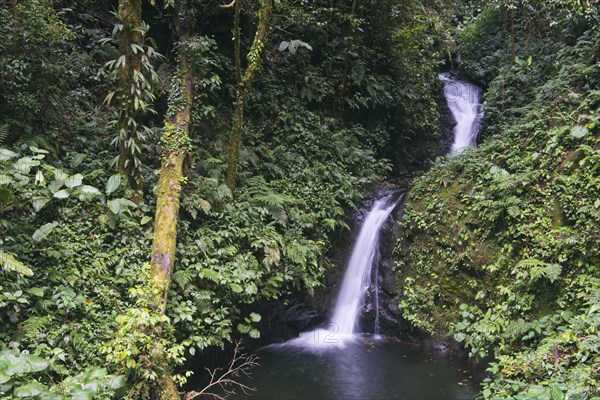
x=274, y=199
x=184, y=276
x=3, y=134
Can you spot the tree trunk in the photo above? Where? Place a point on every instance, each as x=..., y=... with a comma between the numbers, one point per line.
x=168, y=193
x=16, y=25
x=512, y=35
x=236, y=41
x=242, y=91
x=130, y=12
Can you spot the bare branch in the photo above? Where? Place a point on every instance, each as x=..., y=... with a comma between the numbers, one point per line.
x=225, y=380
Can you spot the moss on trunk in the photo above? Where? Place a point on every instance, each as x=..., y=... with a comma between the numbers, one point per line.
x=168, y=193
x=242, y=91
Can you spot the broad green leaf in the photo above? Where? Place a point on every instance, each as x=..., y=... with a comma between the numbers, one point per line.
x=82, y=394
x=495, y=170
x=6, y=154
x=10, y=263
x=89, y=189
x=61, y=194
x=114, y=206
x=39, y=203
x=74, y=181
x=255, y=317
x=579, y=132
x=5, y=195
x=254, y=334
x=37, y=150
x=117, y=382
x=55, y=185
x=284, y=45
x=113, y=183
x=60, y=175
x=236, y=288
x=126, y=203
x=23, y=165
x=44, y=231
x=31, y=389
x=556, y=392
x=459, y=337
x=35, y=363
x=5, y=179
x=145, y=220
x=39, y=178
x=95, y=373
x=36, y=291
x=76, y=160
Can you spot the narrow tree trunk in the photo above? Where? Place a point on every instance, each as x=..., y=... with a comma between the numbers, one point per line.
x=168, y=193
x=512, y=34
x=242, y=91
x=130, y=12
x=16, y=25
x=236, y=41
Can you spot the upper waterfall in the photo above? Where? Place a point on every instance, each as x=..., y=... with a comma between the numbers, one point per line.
x=464, y=101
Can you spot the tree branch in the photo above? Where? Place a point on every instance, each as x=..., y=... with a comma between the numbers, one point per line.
x=225, y=379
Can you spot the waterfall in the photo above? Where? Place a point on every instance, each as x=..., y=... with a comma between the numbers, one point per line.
x=357, y=279
x=464, y=101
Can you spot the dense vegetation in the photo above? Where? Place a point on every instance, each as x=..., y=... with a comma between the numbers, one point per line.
x=500, y=245
x=88, y=112
x=168, y=167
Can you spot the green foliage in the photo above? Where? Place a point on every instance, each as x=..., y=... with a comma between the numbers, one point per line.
x=354, y=72
x=20, y=371
x=46, y=76
x=499, y=243
x=321, y=126
x=138, y=85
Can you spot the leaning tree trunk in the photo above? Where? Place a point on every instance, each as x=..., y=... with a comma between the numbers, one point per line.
x=130, y=13
x=243, y=88
x=168, y=193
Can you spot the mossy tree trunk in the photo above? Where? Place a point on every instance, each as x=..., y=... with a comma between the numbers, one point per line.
x=168, y=194
x=243, y=88
x=130, y=36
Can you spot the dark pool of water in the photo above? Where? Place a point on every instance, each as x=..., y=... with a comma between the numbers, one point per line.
x=365, y=369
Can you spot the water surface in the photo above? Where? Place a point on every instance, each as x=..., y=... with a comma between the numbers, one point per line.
x=364, y=369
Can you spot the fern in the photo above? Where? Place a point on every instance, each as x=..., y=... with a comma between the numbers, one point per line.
x=183, y=277
x=272, y=256
x=3, y=134
x=274, y=199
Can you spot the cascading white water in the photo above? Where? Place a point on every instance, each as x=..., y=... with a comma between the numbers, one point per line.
x=357, y=277
x=464, y=101
x=357, y=280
